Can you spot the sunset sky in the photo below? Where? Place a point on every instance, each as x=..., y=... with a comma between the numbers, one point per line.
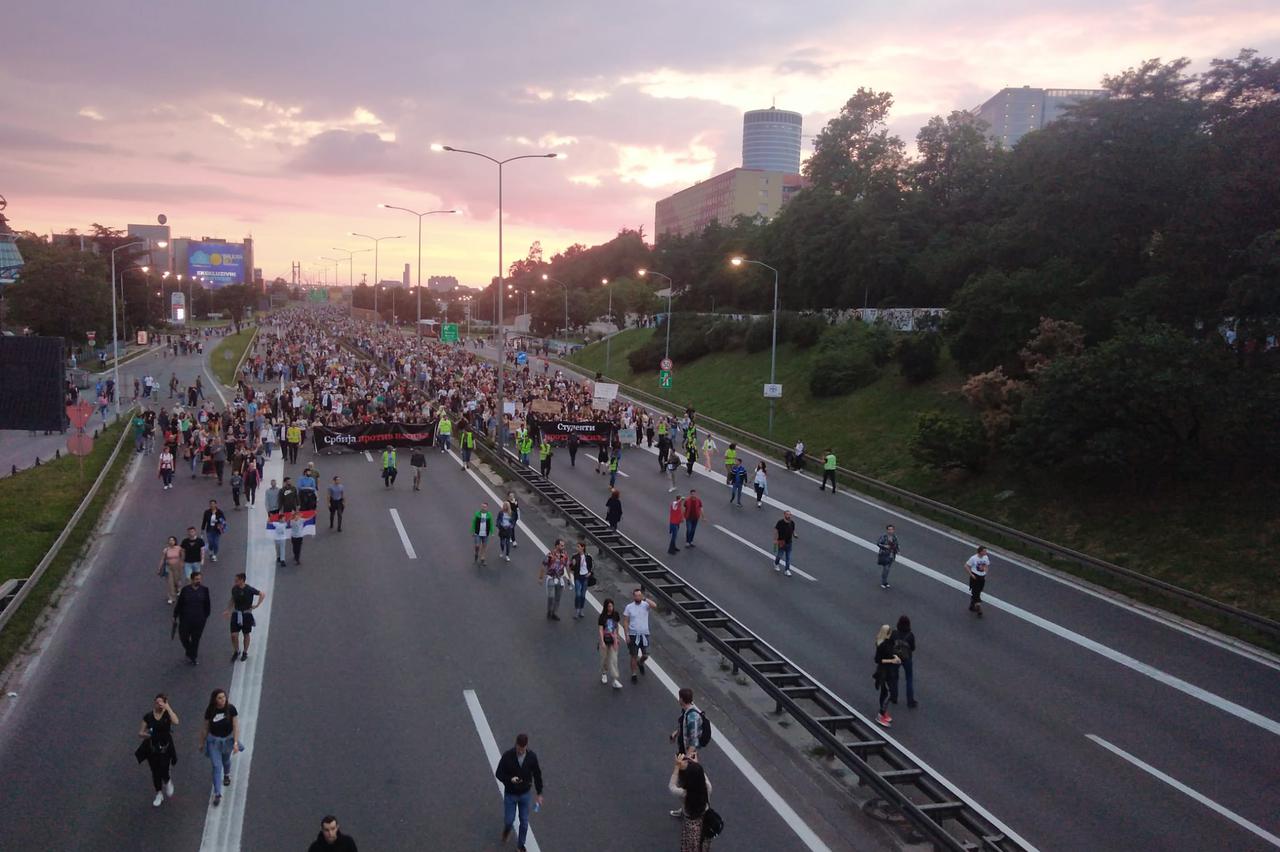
x=290, y=121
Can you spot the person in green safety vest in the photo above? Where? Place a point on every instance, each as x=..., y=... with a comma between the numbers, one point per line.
x=468, y=443
x=445, y=431
x=389, y=466
x=613, y=469
x=730, y=459
x=828, y=470
x=544, y=457
x=526, y=447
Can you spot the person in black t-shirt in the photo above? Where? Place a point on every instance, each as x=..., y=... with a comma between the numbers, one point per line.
x=160, y=754
x=192, y=552
x=219, y=739
x=240, y=611
x=785, y=537
x=417, y=461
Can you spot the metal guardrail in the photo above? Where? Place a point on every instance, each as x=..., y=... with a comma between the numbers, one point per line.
x=12, y=603
x=1239, y=616
x=932, y=808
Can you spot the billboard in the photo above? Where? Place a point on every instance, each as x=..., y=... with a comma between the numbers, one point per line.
x=32, y=376
x=216, y=264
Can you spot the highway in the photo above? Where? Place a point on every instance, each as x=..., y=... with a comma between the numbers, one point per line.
x=1045, y=712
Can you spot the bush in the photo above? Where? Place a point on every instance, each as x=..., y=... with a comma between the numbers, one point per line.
x=807, y=331
x=645, y=358
x=917, y=355
x=841, y=370
x=725, y=335
x=949, y=441
x=760, y=335
x=879, y=343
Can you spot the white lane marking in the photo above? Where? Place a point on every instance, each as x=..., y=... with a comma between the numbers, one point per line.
x=1148, y=612
x=215, y=384
x=763, y=552
x=368, y=456
x=224, y=825
x=492, y=753
x=1185, y=790
x=121, y=498
x=404, y=536
x=1213, y=700
x=622, y=472
x=766, y=790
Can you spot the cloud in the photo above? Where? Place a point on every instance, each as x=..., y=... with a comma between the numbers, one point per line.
x=90, y=113
x=346, y=152
x=13, y=137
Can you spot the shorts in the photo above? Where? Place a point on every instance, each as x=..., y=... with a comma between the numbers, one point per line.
x=242, y=622
x=481, y=539
x=637, y=642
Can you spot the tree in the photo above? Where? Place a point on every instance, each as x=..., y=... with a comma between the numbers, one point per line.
x=61, y=292
x=234, y=299
x=855, y=155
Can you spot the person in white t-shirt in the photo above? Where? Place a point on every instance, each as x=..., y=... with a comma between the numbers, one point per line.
x=978, y=565
x=635, y=624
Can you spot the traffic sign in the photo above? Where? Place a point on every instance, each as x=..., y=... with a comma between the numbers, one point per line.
x=664, y=379
x=522, y=358
x=665, y=365
x=449, y=332
x=91, y=335
x=773, y=391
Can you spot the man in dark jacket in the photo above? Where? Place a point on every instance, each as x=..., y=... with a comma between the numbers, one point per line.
x=289, y=500
x=330, y=839
x=190, y=612
x=518, y=770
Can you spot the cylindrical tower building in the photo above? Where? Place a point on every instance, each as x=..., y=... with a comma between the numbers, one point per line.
x=771, y=140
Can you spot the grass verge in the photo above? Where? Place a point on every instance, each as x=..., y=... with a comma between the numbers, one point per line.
x=1221, y=545
x=226, y=355
x=34, y=507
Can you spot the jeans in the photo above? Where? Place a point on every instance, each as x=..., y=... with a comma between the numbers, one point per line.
x=512, y=801
x=673, y=529
x=188, y=568
x=759, y=494
x=335, y=511
x=215, y=539
x=579, y=593
x=554, y=590
x=690, y=527
x=736, y=494
x=504, y=545
x=167, y=476
x=613, y=478
x=297, y=547
x=218, y=750
x=784, y=550
x=911, y=684
x=884, y=572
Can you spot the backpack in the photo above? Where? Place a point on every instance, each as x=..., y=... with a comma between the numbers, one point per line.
x=704, y=733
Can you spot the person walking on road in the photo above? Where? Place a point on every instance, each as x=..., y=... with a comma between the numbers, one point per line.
x=417, y=461
x=761, y=483
x=675, y=517
x=331, y=838
x=171, y=568
x=583, y=569
x=888, y=553
x=709, y=448
x=191, y=611
x=240, y=610
x=337, y=501
x=553, y=574
x=467, y=441
x=518, y=771
x=688, y=734
x=237, y=483
x=444, y=431
x=292, y=441
x=737, y=478
x=673, y=465
x=515, y=517
x=544, y=458
x=166, y=468
x=977, y=567
x=692, y=514
x=784, y=540
x=389, y=470
x=730, y=460
x=635, y=625
x=613, y=509
x=689, y=781
x=828, y=470
x=297, y=529
x=611, y=636
x=904, y=645
x=192, y=553
x=506, y=523
x=213, y=524
x=219, y=739
x=251, y=476
x=887, y=662
x=602, y=457
x=481, y=529
x=157, y=746
x=574, y=441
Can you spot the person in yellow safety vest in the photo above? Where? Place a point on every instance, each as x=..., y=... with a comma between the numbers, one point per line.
x=613, y=469
x=544, y=458
x=468, y=443
x=445, y=431
x=662, y=427
x=526, y=447
x=389, y=470
x=828, y=471
x=730, y=459
x=293, y=440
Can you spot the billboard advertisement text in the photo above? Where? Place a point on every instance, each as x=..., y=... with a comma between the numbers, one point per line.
x=216, y=264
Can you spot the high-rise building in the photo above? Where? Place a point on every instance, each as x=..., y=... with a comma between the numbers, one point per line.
x=1013, y=113
x=155, y=234
x=771, y=140
x=405, y=279
x=745, y=192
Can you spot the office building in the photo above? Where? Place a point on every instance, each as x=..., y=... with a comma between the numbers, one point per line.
x=442, y=283
x=406, y=275
x=737, y=192
x=10, y=258
x=771, y=140
x=1013, y=113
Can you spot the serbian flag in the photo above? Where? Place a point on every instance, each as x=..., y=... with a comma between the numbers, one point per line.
x=278, y=523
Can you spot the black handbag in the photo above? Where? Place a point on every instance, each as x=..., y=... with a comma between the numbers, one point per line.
x=712, y=825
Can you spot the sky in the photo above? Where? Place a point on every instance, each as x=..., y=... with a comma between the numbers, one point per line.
x=290, y=121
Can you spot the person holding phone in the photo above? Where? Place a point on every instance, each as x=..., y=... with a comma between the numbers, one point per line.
x=689, y=781
x=611, y=636
x=518, y=771
x=157, y=735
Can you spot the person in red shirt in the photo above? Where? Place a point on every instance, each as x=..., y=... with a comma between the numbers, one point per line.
x=692, y=514
x=674, y=519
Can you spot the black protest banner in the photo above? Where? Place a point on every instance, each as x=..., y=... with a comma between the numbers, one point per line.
x=590, y=432
x=372, y=436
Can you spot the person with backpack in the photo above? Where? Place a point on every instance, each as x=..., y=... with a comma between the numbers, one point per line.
x=888, y=553
x=506, y=525
x=886, y=675
x=904, y=644
x=693, y=731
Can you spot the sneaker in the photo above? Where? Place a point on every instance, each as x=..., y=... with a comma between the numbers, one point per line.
x=787, y=572
x=217, y=800
x=244, y=656
x=555, y=617
x=677, y=813
x=979, y=610
x=169, y=601
x=235, y=655
x=884, y=585
x=214, y=556
x=506, y=832
x=226, y=780
x=777, y=566
x=884, y=720
x=604, y=678
x=158, y=800
x=168, y=788
x=617, y=684
x=635, y=679
x=642, y=662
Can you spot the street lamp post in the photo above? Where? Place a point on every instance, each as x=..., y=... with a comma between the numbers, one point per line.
x=546, y=277
x=115, y=337
x=376, y=240
x=335, y=261
x=502, y=337
x=351, y=270
x=670, y=288
x=419, y=215
x=773, y=352
x=608, y=340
